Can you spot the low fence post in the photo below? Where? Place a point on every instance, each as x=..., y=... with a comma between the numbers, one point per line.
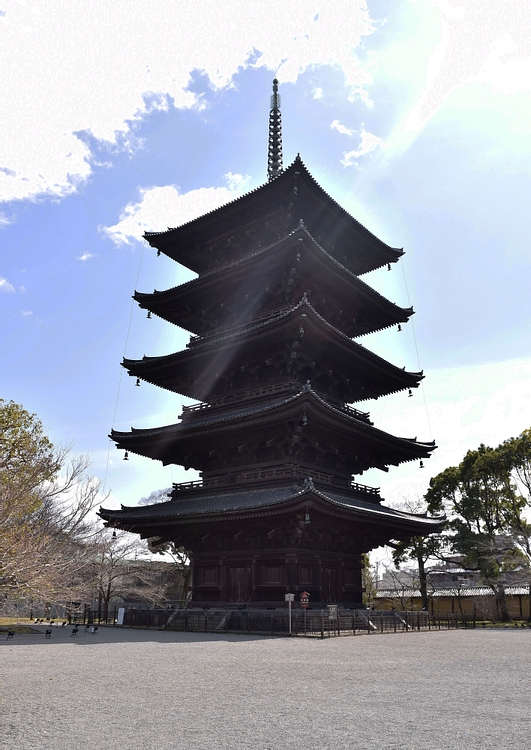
x=322, y=623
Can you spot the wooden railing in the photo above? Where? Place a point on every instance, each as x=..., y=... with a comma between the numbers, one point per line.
x=288, y=471
x=267, y=390
x=270, y=390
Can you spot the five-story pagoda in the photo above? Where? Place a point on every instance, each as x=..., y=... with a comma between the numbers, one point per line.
x=272, y=362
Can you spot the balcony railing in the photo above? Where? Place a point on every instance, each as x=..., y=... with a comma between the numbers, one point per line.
x=268, y=390
x=288, y=471
x=290, y=386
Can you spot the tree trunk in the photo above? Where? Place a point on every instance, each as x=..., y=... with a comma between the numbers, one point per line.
x=186, y=583
x=423, y=583
x=501, y=602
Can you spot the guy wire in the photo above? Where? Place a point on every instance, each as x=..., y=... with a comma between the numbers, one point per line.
x=417, y=352
x=122, y=369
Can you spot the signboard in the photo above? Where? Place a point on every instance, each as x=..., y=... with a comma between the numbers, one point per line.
x=305, y=598
x=120, y=617
x=332, y=611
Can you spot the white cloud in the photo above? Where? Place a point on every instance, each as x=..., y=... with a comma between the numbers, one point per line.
x=368, y=142
x=318, y=93
x=465, y=406
x=479, y=42
x=22, y=289
x=237, y=183
x=78, y=67
x=26, y=313
x=336, y=125
x=160, y=207
x=86, y=256
x=6, y=287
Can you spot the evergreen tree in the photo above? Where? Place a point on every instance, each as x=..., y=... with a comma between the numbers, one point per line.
x=484, y=508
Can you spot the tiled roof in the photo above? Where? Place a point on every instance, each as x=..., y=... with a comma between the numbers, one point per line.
x=212, y=503
x=359, y=504
x=270, y=187
x=144, y=368
x=411, y=448
x=465, y=591
x=215, y=274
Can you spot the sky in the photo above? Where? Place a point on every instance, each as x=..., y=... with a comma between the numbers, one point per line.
x=123, y=117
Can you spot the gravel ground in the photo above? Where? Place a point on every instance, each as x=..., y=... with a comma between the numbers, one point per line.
x=142, y=690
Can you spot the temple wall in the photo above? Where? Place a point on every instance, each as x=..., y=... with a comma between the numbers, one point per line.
x=485, y=605
x=265, y=576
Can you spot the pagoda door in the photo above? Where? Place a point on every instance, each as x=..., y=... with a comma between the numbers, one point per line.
x=239, y=584
x=329, y=587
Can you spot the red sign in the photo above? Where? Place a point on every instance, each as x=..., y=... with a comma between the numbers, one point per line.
x=305, y=598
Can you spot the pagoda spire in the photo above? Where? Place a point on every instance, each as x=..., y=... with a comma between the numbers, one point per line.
x=274, y=151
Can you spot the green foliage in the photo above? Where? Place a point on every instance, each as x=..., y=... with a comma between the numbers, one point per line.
x=485, y=513
x=27, y=460
x=516, y=455
x=485, y=498
x=44, y=527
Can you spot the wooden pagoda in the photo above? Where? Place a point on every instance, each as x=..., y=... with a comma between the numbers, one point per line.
x=273, y=365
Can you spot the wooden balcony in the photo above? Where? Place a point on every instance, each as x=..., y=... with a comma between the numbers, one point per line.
x=266, y=475
x=290, y=386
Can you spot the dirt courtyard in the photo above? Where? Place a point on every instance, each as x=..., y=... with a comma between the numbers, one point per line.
x=146, y=690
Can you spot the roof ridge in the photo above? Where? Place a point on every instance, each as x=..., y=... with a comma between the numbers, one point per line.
x=264, y=186
x=370, y=427
x=200, y=346
x=211, y=273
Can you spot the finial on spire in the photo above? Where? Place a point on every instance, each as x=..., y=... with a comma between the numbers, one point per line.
x=274, y=151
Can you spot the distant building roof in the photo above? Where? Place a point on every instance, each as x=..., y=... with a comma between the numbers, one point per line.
x=465, y=591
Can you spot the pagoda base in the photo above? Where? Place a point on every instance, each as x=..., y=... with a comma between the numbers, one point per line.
x=262, y=578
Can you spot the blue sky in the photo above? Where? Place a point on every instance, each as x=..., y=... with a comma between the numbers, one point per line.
x=414, y=115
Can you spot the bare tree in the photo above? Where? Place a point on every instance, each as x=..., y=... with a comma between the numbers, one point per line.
x=401, y=588
x=123, y=568
x=179, y=556
x=46, y=504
